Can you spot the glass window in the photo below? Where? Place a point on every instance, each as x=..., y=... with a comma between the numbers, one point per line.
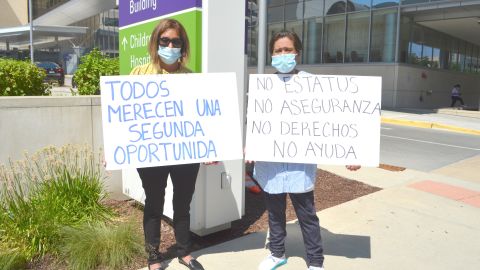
x=427, y=52
x=476, y=59
x=468, y=57
x=416, y=45
x=297, y=28
x=408, y=2
x=313, y=8
x=272, y=3
x=461, y=55
x=275, y=14
x=334, y=39
x=436, y=41
x=294, y=12
x=357, y=37
x=271, y=30
x=453, y=59
x=358, y=5
x=334, y=6
x=384, y=3
x=252, y=36
x=405, y=32
x=312, y=41
x=384, y=31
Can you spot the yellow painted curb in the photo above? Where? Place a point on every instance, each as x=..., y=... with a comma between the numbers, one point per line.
x=421, y=124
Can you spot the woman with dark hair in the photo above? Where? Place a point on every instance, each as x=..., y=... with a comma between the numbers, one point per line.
x=278, y=179
x=169, y=50
x=456, y=95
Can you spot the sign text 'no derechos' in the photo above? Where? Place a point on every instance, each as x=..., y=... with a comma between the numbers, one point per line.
x=155, y=120
x=318, y=119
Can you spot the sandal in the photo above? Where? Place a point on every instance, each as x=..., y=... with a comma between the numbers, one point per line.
x=158, y=268
x=192, y=265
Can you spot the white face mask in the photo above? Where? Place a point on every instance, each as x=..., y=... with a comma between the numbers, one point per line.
x=284, y=63
x=169, y=55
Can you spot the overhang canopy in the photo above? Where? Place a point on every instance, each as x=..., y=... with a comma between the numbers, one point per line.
x=21, y=34
x=74, y=11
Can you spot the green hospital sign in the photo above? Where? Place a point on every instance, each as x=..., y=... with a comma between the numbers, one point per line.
x=134, y=38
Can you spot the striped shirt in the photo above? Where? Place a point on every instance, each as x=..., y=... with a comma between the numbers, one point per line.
x=280, y=177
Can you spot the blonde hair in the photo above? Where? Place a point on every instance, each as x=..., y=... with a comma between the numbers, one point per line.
x=164, y=25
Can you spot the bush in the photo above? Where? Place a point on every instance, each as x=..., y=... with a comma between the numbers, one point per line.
x=93, y=246
x=21, y=78
x=92, y=66
x=53, y=188
x=11, y=260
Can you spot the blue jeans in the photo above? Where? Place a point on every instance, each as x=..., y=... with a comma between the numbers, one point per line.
x=304, y=206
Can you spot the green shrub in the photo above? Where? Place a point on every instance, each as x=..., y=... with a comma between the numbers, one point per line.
x=21, y=78
x=11, y=260
x=53, y=188
x=92, y=66
x=97, y=245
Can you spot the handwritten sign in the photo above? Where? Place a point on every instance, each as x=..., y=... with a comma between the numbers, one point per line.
x=318, y=119
x=155, y=120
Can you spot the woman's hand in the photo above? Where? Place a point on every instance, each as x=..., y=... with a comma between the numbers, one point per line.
x=353, y=167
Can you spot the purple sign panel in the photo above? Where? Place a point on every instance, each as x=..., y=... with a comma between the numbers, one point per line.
x=133, y=11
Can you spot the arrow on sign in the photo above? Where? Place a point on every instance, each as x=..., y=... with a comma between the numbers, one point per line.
x=124, y=42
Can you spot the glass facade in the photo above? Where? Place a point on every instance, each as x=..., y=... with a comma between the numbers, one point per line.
x=429, y=48
x=102, y=33
x=361, y=31
x=41, y=7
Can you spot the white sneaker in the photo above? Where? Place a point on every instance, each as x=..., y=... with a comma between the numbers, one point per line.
x=271, y=262
x=315, y=268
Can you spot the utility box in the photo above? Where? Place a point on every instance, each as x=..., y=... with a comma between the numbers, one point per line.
x=216, y=31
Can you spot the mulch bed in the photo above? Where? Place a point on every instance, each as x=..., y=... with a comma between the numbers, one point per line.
x=330, y=190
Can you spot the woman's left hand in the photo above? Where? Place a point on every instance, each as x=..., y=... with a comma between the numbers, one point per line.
x=353, y=167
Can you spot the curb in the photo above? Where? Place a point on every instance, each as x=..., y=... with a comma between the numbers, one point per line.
x=421, y=124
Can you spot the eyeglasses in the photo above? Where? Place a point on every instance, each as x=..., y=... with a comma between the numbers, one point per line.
x=176, y=42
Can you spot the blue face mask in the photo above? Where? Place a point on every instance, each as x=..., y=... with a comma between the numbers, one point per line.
x=284, y=63
x=169, y=55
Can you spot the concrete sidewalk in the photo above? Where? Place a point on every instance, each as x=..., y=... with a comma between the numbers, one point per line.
x=452, y=119
x=424, y=221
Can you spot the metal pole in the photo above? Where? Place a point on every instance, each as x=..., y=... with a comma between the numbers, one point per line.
x=262, y=36
x=31, y=29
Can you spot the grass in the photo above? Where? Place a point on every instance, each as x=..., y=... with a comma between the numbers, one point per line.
x=91, y=246
x=51, y=189
x=11, y=260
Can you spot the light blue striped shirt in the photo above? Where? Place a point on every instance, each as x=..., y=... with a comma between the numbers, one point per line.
x=279, y=177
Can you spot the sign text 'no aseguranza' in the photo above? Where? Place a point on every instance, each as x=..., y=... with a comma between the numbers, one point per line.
x=320, y=119
x=153, y=120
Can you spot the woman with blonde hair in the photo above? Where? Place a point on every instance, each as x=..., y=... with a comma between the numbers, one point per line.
x=169, y=50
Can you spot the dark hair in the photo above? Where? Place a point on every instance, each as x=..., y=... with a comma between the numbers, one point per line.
x=456, y=85
x=163, y=26
x=297, y=44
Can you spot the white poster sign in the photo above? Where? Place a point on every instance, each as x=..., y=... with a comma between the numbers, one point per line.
x=318, y=119
x=156, y=120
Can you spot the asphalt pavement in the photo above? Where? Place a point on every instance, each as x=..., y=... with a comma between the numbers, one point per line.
x=419, y=220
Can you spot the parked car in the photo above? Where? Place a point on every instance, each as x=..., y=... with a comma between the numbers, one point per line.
x=53, y=71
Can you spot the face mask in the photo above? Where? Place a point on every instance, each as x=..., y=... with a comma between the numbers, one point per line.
x=169, y=55
x=284, y=63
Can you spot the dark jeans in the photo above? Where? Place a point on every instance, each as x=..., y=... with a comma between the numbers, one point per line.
x=304, y=205
x=454, y=100
x=154, y=182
